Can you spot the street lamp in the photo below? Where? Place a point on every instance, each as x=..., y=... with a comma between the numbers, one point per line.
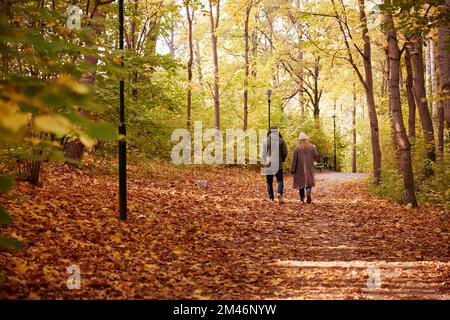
x=269, y=93
x=334, y=133
x=122, y=131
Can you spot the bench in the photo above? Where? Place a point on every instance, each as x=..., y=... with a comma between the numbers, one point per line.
x=320, y=166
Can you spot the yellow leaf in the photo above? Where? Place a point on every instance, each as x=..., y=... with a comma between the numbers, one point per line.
x=178, y=250
x=21, y=267
x=11, y=118
x=398, y=253
x=33, y=296
x=87, y=141
x=74, y=85
x=116, y=255
x=53, y=123
x=276, y=282
x=116, y=238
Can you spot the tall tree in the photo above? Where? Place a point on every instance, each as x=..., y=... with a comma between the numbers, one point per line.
x=400, y=137
x=311, y=87
x=296, y=21
x=300, y=64
x=427, y=64
x=410, y=96
x=198, y=60
x=366, y=81
x=75, y=148
x=433, y=78
x=354, y=130
x=415, y=42
x=190, y=17
x=444, y=63
x=214, y=22
x=248, y=9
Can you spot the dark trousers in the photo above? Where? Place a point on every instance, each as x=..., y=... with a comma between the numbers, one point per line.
x=302, y=192
x=280, y=185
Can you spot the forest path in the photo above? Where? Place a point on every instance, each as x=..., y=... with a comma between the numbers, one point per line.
x=226, y=241
x=361, y=247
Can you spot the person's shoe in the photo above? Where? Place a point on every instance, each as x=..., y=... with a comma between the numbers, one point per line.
x=302, y=200
x=308, y=198
x=270, y=199
x=280, y=198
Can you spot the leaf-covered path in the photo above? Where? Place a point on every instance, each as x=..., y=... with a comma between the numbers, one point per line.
x=226, y=241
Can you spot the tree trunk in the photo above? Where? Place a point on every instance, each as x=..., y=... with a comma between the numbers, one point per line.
x=410, y=96
x=153, y=34
x=214, y=25
x=422, y=104
x=300, y=89
x=131, y=44
x=247, y=66
x=75, y=148
x=317, y=91
x=444, y=66
x=190, y=17
x=198, y=60
x=368, y=86
x=354, y=131
x=35, y=172
x=300, y=65
x=433, y=78
x=366, y=81
x=388, y=71
x=34, y=166
x=384, y=79
x=172, y=39
x=254, y=52
x=427, y=69
x=401, y=142
x=441, y=131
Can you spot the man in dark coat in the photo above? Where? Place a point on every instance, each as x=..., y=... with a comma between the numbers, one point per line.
x=275, y=161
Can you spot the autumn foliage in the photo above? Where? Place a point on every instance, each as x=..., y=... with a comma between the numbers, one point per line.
x=221, y=242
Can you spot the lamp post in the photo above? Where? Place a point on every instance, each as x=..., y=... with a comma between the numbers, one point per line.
x=269, y=93
x=122, y=131
x=334, y=139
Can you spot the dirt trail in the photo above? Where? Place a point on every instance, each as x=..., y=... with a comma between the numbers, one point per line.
x=354, y=245
x=222, y=242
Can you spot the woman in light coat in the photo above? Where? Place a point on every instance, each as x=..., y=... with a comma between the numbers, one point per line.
x=302, y=167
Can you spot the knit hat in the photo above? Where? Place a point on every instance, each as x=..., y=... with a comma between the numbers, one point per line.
x=303, y=136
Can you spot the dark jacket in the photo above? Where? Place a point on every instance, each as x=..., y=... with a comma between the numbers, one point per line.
x=283, y=151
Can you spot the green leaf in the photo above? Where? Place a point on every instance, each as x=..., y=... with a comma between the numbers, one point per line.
x=6, y=183
x=4, y=216
x=102, y=131
x=54, y=99
x=76, y=118
x=10, y=243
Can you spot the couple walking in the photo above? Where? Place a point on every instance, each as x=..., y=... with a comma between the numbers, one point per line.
x=302, y=166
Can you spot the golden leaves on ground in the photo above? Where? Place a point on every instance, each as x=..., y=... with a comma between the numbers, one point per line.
x=187, y=242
